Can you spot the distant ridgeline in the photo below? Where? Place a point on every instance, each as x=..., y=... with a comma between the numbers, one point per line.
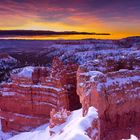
x=42, y=33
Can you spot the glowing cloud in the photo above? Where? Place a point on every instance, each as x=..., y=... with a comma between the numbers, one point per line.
x=118, y=17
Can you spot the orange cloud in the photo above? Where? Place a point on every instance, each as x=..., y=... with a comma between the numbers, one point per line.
x=78, y=15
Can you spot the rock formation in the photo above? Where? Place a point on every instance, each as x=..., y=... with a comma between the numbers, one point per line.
x=26, y=102
x=108, y=78
x=116, y=95
x=58, y=117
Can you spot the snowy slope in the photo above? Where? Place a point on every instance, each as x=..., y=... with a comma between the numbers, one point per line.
x=24, y=72
x=73, y=129
x=4, y=136
x=132, y=138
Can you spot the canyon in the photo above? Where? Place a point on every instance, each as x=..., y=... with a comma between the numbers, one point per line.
x=62, y=76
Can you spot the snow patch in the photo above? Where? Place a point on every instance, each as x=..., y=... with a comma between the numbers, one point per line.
x=73, y=129
x=132, y=138
x=26, y=72
x=7, y=93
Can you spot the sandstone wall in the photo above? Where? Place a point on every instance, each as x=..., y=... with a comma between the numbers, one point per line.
x=116, y=95
x=26, y=102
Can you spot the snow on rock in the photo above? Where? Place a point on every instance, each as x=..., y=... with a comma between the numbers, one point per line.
x=74, y=128
x=132, y=138
x=7, y=93
x=58, y=117
x=116, y=95
x=24, y=72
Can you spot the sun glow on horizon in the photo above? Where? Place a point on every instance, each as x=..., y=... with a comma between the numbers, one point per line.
x=117, y=18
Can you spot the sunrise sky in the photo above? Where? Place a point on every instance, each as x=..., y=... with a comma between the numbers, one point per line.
x=120, y=18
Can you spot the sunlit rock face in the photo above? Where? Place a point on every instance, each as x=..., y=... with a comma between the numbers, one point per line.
x=116, y=95
x=26, y=102
x=111, y=83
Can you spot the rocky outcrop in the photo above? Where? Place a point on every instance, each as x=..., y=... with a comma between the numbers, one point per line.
x=116, y=95
x=58, y=117
x=26, y=102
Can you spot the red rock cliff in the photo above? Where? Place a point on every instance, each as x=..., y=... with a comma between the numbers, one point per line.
x=26, y=102
x=116, y=95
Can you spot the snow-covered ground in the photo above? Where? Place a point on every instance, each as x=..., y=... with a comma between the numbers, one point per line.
x=73, y=129
x=132, y=138
x=4, y=136
x=24, y=72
